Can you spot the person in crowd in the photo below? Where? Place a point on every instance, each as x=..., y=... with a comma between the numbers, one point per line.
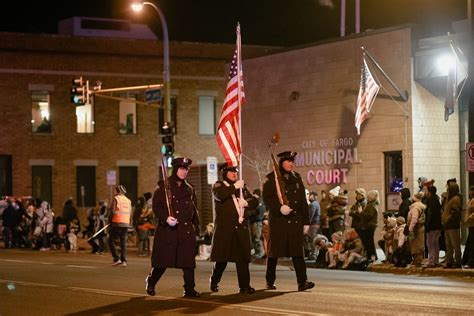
x=101, y=215
x=451, y=218
x=432, y=226
x=468, y=255
x=256, y=223
x=387, y=243
x=368, y=224
x=137, y=212
x=177, y=228
x=416, y=229
x=145, y=223
x=334, y=250
x=70, y=213
x=401, y=255
x=336, y=211
x=321, y=245
x=11, y=219
x=404, y=207
x=46, y=225
x=325, y=204
x=231, y=240
x=352, y=254
x=444, y=200
x=265, y=233
x=288, y=223
x=314, y=222
x=204, y=243
x=356, y=209
x=120, y=213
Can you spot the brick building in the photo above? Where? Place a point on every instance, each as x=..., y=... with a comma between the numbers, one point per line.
x=52, y=149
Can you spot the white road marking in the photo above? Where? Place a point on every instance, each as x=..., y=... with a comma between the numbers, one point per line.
x=84, y=267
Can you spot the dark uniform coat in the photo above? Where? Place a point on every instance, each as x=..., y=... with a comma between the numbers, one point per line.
x=175, y=247
x=286, y=231
x=231, y=241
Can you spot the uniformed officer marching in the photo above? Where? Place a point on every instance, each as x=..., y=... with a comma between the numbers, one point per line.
x=175, y=235
x=288, y=223
x=231, y=241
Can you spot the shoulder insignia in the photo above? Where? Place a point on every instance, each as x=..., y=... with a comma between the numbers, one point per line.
x=216, y=185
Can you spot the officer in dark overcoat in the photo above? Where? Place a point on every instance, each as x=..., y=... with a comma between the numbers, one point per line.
x=231, y=241
x=288, y=223
x=175, y=234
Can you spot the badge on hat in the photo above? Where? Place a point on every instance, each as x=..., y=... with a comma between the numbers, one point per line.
x=181, y=162
x=224, y=168
x=287, y=155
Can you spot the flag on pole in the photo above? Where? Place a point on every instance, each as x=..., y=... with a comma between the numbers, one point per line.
x=228, y=131
x=367, y=93
x=457, y=75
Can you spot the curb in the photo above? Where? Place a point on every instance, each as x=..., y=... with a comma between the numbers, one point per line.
x=439, y=271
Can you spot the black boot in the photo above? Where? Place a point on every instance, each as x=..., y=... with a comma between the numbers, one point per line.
x=247, y=290
x=305, y=286
x=191, y=293
x=150, y=289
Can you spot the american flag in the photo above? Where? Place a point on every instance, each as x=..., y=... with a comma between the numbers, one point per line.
x=367, y=93
x=228, y=132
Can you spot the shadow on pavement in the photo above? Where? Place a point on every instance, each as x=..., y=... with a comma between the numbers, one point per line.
x=206, y=303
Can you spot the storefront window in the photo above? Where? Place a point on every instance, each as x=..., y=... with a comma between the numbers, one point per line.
x=393, y=179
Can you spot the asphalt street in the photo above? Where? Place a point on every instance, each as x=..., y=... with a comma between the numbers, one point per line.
x=60, y=283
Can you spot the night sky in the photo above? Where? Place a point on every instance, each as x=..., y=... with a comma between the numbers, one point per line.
x=266, y=22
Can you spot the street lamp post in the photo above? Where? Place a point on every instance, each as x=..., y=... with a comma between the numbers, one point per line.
x=137, y=6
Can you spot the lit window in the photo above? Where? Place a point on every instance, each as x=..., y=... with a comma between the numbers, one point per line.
x=207, y=115
x=128, y=117
x=40, y=112
x=85, y=118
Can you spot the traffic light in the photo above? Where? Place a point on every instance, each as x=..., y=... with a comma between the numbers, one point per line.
x=167, y=139
x=80, y=91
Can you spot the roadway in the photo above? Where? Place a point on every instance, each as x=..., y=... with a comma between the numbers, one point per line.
x=60, y=283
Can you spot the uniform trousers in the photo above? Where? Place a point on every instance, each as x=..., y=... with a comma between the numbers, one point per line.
x=243, y=273
x=188, y=277
x=298, y=264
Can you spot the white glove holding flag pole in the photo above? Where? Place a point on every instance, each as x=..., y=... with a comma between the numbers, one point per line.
x=171, y=221
x=285, y=209
x=241, y=220
x=242, y=203
x=305, y=229
x=239, y=184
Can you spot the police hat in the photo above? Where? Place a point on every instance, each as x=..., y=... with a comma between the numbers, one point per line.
x=287, y=155
x=179, y=162
x=224, y=168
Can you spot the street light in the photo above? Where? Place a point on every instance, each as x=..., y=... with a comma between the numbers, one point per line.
x=137, y=5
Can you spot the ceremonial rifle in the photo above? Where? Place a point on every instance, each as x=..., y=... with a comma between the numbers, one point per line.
x=279, y=184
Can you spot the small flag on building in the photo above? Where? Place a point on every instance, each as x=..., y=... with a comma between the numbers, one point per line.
x=457, y=75
x=228, y=131
x=367, y=93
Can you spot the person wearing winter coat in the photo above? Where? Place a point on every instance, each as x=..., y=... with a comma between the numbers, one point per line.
x=432, y=226
x=45, y=224
x=404, y=207
x=288, y=223
x=175, y=234
x=416, y=229
x=401, y=255
x=356, y=209
x=231, y=240
x=368, y=224
x=452, y=216
x=468, y=255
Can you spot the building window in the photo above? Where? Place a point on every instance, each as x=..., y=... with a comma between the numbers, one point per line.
x=6, y=180
x=85, y=186
x=128, y=177
x=42, y=183
x=85, y=118
x=207, y=115
x=393, y=179
x=128, y=116
x=161, y=115
x=40, y=110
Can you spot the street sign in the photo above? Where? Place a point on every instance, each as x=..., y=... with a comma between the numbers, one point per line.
x=470, y=157
x=153, y=95
x=211, y=170
x=111, y=177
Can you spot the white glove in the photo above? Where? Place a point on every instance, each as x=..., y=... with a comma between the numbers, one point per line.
x=242, y=202
x=305, y=229
x=171, y=221
x=239, y=184
x=241, y=220
x=285, y=209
